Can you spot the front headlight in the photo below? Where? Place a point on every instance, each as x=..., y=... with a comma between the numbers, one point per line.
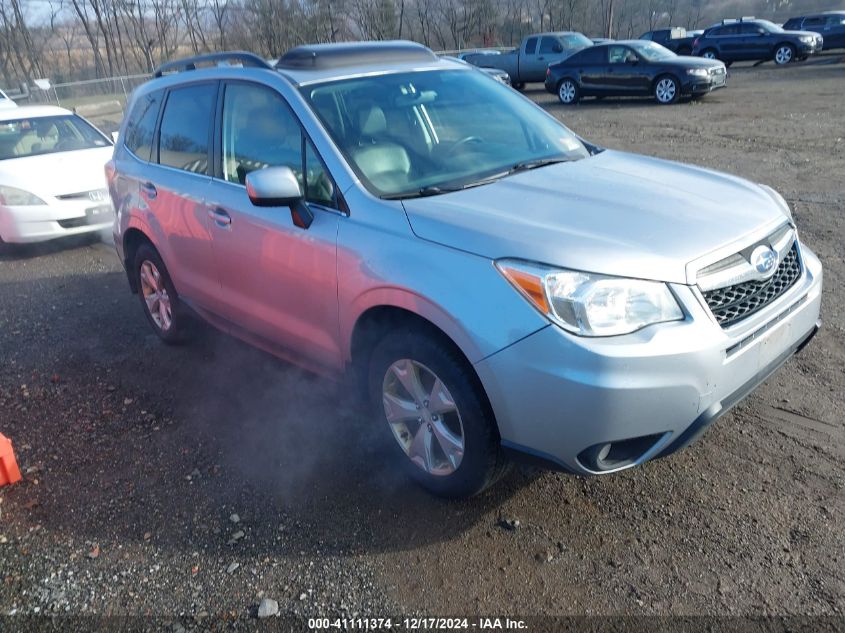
x=14, y=197
x=779, y=200
x=808, y=39
x=698, y=72
x=588, y=304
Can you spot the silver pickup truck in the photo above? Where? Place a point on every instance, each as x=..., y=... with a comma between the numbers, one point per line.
x=529, y=62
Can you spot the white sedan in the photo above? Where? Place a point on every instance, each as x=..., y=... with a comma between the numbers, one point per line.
x=52, y=179
x=5, y=102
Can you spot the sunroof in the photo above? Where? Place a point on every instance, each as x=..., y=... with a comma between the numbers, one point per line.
x=327, y=56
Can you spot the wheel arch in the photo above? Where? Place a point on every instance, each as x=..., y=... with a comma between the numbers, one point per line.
x=378, y=319
x=133, y=238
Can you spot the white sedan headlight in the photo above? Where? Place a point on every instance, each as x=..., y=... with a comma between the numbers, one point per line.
x=14, y=197
x=698, y=72
x=588, y=304
x=807, y=39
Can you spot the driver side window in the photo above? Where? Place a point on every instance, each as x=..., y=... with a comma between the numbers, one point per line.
x=259, y=131
x=621, y=55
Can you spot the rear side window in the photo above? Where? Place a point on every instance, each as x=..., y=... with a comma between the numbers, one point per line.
x=590, y=56
x=531, y=46
x=142, y=124
x=726, y=30
x=815, y=21
x=185, y=128
x=547, y=45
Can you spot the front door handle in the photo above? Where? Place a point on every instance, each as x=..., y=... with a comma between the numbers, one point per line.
x=220, y=217
x=149, y=189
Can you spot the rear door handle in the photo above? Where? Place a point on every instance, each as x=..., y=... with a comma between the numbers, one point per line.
x=149, y=189
x=220, y=217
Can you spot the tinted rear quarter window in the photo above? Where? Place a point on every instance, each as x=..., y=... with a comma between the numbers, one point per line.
x=185, y=127
x=141, y=125
x=591, y=56
x=531, y=45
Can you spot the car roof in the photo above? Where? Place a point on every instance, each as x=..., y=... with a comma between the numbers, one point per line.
x=32, y=111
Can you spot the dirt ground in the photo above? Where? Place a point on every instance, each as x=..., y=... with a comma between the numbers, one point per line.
x=137, y=455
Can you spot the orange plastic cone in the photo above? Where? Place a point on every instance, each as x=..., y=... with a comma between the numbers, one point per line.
x=9, y=471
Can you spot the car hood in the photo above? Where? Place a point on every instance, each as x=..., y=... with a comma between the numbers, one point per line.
x=57, y=174
x=613, y=213
x=799, y=33
x=688, y=61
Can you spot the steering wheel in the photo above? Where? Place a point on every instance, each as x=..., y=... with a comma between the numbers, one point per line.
x=464, y=141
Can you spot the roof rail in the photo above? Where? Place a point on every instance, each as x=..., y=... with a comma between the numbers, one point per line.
x=745, y=18
x=190, y=63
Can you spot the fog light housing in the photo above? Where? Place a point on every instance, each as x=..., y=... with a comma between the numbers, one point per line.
x=608, y=456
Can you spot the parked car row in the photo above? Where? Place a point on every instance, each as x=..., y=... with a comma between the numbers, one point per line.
x=661, y=63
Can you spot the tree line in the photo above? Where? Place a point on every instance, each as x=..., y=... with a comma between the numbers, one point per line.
x=67, y=40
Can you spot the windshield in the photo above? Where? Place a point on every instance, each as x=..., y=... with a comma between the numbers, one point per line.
x=651, y=51
x=771, y=27
x=47, y=135
x=576, y=40
x=421, y=133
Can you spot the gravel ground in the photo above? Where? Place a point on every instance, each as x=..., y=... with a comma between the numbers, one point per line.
x=189, y=483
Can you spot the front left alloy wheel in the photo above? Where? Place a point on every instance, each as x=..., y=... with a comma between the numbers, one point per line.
x=423, y=391
x=784, y=54
x=666, y=90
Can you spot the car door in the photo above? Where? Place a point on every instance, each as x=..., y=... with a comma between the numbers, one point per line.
x=755, y=41
x=172, y=186
x=834, y=32
x=533, y=66
x=625, y=71
x=279, y=280
x=591, y=67
x=729, y=42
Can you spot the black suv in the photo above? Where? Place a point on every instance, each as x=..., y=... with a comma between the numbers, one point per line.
x=749, y=39
x=830, y=25
x=676, y=39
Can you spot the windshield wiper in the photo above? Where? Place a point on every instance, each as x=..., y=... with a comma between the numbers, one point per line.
x=534, y=164
x=419, y=193
x=434, y=190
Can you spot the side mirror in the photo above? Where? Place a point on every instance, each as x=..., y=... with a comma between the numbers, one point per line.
x=278, y=187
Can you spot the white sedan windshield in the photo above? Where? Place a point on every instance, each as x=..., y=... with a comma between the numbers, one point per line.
x=46, y=135
x=432, y=131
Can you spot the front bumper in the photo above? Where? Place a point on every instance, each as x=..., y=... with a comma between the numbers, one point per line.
x=805, y=50
x=38, y=223
x=703, y=85
x=559, y=398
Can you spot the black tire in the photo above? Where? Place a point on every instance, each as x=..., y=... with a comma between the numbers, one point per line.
x=661, y=90
x=483, y=461
x=519, y=85
x=178, y=328
x=710, y=53
x=573, y=93
x=784, y=54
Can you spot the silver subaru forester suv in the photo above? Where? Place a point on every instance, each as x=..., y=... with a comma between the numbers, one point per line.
x=498, y=286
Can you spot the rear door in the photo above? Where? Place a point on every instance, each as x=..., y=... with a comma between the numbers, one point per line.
x=591, y=66
x=172, y=184
x=279, y=281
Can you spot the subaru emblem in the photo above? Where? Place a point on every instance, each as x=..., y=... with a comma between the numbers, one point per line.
x=765, y=260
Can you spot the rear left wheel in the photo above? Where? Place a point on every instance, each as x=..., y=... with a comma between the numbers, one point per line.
x=568, y=92
x=424, y=392
x=158, y=296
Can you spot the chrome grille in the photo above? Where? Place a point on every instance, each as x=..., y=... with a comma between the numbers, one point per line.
x=734, y=303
